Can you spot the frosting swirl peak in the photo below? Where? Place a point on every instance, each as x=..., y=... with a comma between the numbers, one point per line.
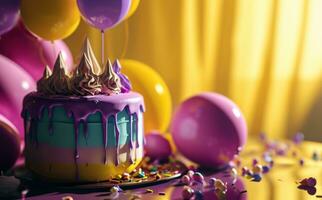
x=87, y=79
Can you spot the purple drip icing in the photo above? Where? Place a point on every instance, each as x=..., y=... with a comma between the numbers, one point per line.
x=105, y=133
x=131, y=142
x=76, y=147
x=80, y=108
x=137, y=130
x=117, y=138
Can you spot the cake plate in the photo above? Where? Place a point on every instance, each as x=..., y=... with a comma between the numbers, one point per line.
x=30, y=180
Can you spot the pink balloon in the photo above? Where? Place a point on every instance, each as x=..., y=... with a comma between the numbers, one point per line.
x=156, y=146
x=209, y=129
x=15, y=83
x=32, y=53
x=9, y=144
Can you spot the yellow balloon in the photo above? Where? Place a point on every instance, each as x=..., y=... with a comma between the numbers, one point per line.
x=156, y=94
x=133, y=7
x=50, y=19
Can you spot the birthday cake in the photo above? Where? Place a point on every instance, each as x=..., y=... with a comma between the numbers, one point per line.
x=85, y=125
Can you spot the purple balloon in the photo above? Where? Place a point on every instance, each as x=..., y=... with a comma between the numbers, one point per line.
x=9, y=144
x=9, y=14
x=15, y=83
x=156, y=146
x=103, y=14
x=209, y=129
x=32, y=53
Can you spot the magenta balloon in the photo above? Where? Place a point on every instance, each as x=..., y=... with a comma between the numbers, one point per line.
x=32, y=53
x=103, y=14
x=15, y=83
x=9, y=144
x=9, y=14
x=209, y=129
x=156, y=146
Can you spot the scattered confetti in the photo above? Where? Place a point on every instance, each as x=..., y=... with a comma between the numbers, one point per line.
x=148, y=191
x=298, y=138
x=257, y=169
x=256, y=178
x=198, y=177
x=185, y=180
x=266, y=169
x=311, y=182
x=187, y=193
x=115, y=189
x=315, y=156
x=212, y=182
x=198, y=195
x=67, y=198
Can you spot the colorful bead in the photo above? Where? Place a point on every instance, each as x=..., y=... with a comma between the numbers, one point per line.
x=256, y=177
x=244, y=171
x=185, y=179
x=187, y=193
x=198, y=195
x=198, y=177
x=311, y=182
x=265, y=169
x=190, y=173
x=219, y=185
x=115, y=189
x=257, y=169
x=255, y=161
x=233, y=172
x=212, y=182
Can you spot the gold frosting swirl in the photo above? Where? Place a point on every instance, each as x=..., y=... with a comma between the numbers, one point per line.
x=42, y=85
x=111, y=81
x=56, y=82
x=87, y=79
x=59, y=81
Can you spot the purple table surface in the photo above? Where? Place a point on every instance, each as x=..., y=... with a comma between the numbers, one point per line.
x=280, y=183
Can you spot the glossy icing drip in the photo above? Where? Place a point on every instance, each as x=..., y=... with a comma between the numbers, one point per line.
x=117, y=139
x=105, y=133
x=80, y=108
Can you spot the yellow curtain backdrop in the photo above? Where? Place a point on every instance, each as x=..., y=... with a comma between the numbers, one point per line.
x=266, y=55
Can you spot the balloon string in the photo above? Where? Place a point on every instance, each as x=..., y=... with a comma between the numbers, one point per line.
x=102, y=46
x=126, y=38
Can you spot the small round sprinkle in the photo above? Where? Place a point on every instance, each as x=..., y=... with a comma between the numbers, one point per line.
x=315, y=156
x=265, y=169
x=233, y=172
x=257, y=169
x=198, y=195
x=198, y=177
x=244, y=171
x=114, y=189
x=256, y=178
x=149, y=191
x=301, y=162
x=255, y=161
x=185, y=179
x=212, y=181
x=311, y=182
x=67, y=198
x=190, y=173
x=187, y=193
x=219, y=185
